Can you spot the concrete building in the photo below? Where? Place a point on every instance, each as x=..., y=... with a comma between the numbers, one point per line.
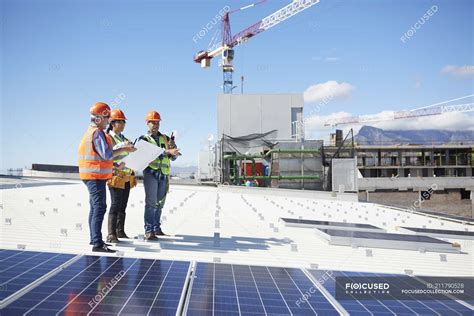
x=244, y=114
x=416, y=161
x=261, y=140
x=436, y=178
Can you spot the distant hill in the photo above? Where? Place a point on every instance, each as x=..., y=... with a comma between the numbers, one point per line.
x=190, y=169
x=369, y=135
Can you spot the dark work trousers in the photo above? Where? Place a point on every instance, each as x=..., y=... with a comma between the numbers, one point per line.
x=98, y=207
x=117, y=209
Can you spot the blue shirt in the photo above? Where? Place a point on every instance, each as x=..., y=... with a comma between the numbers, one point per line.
x=101, y=147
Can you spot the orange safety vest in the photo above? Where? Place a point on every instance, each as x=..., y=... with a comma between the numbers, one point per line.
x=91, y=165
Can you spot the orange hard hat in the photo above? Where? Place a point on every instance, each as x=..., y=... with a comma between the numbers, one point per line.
x=100, y=108
x=117, y=115
x=153, y=116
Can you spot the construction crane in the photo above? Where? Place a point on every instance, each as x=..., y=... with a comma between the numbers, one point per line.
x=226, y=48
x=433, y=109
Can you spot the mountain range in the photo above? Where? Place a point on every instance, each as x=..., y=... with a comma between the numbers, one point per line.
x=369, y=135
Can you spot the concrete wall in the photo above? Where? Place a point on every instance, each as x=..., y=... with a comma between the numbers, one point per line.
x=46, y=174
x=205, y=165
x=416, y=183
x=344, y=175
x=444, y=202
x=244, y=114
x=298, y=165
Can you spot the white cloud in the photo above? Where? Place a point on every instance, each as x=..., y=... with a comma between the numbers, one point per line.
x=458, y=71
x=454, y=121
x=447, y=121
x=328, y=91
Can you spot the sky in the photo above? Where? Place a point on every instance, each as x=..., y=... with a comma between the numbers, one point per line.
x=348, y=58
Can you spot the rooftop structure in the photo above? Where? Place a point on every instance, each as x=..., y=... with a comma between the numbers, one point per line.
x=243, y=227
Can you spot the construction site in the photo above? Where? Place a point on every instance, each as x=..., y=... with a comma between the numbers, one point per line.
x=278, y=155
x=271, y=221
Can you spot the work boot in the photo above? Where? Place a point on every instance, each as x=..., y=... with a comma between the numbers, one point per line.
x=112, y=224
x=112, y=238
x=91, y=243
x=160, y=233
x=121, y=234
x=103, y=248
x=121, y=226
x=150, y=237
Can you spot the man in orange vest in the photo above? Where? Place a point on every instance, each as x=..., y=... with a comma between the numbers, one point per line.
x=95, y=168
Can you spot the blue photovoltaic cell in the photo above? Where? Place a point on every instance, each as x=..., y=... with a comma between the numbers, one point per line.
x=107, y=285
x=20, y=268
x=387, y=307
x=225, y=289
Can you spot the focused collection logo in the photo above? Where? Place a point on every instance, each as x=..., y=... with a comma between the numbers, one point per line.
x=367, y=288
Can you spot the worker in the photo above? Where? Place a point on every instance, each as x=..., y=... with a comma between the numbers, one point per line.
x=95, y=168
x=156, y=176
x=122, y=181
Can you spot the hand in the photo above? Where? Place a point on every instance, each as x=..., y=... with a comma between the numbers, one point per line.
x=173, y=152
x=121, y=165
x=172, y=143
x=129, y=148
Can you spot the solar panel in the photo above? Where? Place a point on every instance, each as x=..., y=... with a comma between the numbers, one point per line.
x=21, y=268
x=330, y=225
x=252, y=290
x=101, y=285
x=384, y=240
x=386, y=306
x=460, y=218
x=441, y=232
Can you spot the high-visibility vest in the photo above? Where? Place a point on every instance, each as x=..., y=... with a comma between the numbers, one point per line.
x=116, y=140
x=91, y=165
x=162, y=164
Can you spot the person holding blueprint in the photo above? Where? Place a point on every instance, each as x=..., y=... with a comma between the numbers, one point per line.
x=156, y=175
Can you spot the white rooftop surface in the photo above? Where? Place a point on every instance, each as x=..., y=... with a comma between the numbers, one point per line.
x=247, y=220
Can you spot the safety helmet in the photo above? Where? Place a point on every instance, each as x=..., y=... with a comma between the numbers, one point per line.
x=100, y=109
x=153, y=116
x=117, y=115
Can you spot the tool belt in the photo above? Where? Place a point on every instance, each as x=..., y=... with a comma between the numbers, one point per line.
x=120, y=178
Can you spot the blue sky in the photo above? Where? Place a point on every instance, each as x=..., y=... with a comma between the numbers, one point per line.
x=59, y=57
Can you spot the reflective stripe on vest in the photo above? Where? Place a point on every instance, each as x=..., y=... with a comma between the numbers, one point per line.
x=91, y=165
x=117, y=141
x=162, y=164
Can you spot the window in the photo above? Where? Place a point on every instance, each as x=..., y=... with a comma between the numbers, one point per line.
x=297, y=130
x=465, y=194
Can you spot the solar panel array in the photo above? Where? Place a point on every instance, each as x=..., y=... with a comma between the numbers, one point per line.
x=21, y=268
x=226, y=289
x=109, y=285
